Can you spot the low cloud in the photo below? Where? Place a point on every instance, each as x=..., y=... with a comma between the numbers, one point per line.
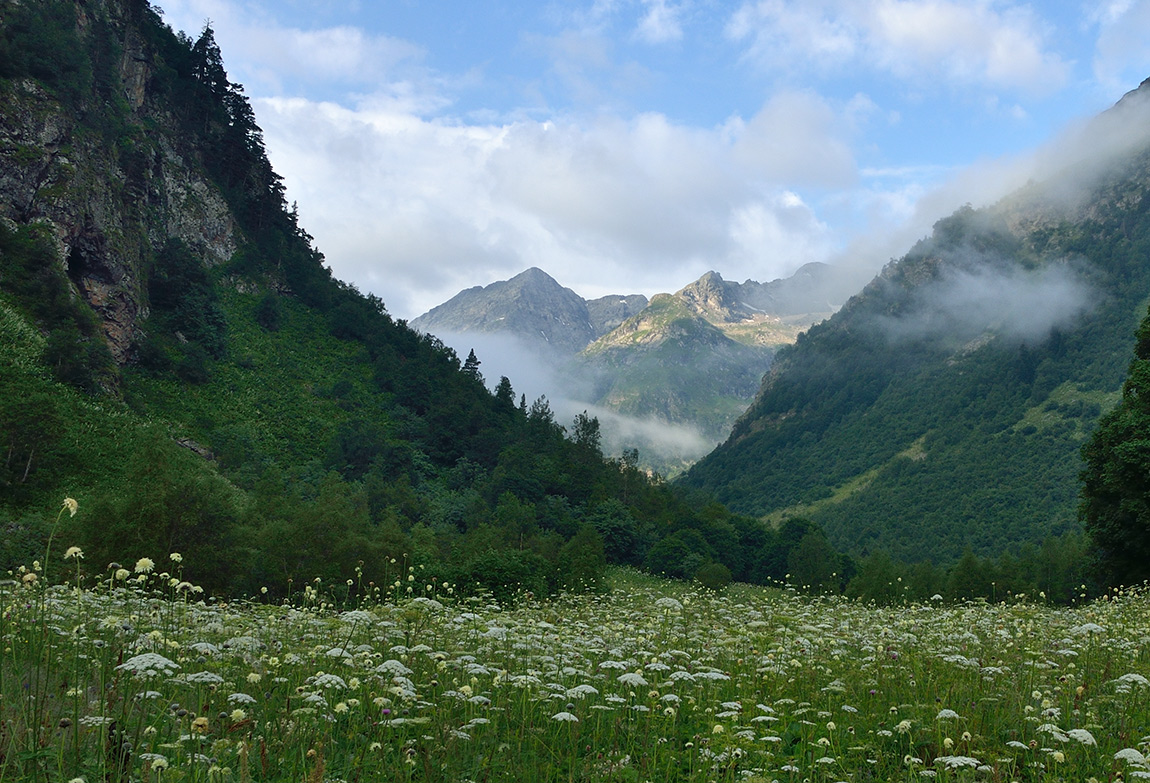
x=1018, y=305
x=532, y=375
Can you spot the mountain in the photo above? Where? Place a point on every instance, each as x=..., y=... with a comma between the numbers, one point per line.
x=944, y=406
x=533, y=307
x=177, y=359
x=693, y=357
x=671, y=375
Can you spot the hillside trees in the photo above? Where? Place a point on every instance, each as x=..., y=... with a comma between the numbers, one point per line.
x=1115, y=505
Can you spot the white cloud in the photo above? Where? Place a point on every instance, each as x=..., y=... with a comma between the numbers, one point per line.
x=272, y=54
x=660, y=24
x=797, y=138
x=1120, y=51
x=782, y=34
x=979, y=44
x=415, y=210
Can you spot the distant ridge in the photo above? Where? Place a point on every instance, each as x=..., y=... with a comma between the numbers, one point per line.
x=945, y=405
x=533, y=307
x=693, y=358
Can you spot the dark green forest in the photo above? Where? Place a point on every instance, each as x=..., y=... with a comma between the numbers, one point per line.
x=962, y=435
x=275, y=425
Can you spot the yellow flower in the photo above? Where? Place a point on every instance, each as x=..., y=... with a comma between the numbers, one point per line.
x=74, y=552
x=200, y=725
x=122, y=574
x=718, y=729
x=145, y=565
x=71, y=505
x=176, y=557
x=237, y=715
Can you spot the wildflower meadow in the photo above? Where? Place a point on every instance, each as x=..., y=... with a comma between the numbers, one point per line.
x=130, y=673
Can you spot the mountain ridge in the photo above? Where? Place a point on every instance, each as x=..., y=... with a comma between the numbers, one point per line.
x=987, y=352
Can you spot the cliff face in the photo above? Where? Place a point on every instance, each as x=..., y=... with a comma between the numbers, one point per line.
x=107, y=169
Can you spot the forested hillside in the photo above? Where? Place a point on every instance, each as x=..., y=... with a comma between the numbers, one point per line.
x=946, y=404
x=176, y=356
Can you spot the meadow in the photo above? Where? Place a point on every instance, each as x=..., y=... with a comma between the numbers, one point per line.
x=130, y=673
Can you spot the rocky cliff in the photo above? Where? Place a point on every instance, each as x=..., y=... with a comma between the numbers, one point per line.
x=97, y=156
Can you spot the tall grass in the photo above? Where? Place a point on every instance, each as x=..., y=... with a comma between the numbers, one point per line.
x=127, y=673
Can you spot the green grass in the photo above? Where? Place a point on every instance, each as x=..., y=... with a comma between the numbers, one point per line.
x=915, y=451
x=1053, y=410
x=135, y=676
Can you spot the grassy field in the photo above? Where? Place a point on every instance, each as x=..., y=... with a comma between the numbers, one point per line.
x=127, y=673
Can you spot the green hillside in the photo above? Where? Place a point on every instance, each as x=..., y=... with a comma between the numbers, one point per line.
x=944, y=407
x=176, y=357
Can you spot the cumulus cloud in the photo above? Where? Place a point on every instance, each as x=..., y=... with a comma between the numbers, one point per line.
x=797, y=138
x=436, y=206
x=996, y=46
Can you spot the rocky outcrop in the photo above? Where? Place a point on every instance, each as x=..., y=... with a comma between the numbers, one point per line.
x=112, y=193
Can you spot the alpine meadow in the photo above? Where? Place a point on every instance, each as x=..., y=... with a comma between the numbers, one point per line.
x=256, y=528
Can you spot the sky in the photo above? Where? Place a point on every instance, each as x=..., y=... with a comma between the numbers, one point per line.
x=629, y=146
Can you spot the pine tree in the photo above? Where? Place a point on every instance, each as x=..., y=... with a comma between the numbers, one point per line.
x=471, y=366
x=1115, y=505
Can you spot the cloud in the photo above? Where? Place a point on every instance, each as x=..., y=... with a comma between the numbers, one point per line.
x=660, y=24
x=797, y=138
x=918, y=41
x=272, y=54
x=1120, y=51
x=992, y=295
x=531, y=375
x=416, y=209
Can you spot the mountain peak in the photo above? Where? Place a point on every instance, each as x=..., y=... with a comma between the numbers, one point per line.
x=533, y=275
x=534, y=307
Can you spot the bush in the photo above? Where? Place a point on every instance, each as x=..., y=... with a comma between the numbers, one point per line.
x=714, y=576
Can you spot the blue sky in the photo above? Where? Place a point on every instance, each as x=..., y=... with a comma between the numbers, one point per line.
x=631, y=145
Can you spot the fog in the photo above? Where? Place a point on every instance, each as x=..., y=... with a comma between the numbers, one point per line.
x=1017, y=304
x=660, y=443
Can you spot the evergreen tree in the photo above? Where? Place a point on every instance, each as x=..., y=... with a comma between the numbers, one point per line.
x=1115, y=505
x=471, y=366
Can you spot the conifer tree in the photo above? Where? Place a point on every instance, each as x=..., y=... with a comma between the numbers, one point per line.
x=1115, y=505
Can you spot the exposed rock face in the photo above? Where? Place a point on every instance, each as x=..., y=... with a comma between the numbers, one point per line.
x=606, y=313
x=110, y=203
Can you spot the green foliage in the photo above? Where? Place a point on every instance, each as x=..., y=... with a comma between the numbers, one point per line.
x=38, y=40
x=170, y=501
x=275, y=425
x=582, y=562
x=923, y=441
x=34, y=281
x=1055, y=571
x=713, y=576
x=1115, y=505
x=184, y=300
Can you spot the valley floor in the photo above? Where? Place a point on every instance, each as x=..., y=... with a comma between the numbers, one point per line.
x=134, y=677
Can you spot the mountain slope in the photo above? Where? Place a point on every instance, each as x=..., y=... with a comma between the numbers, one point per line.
x=176, y=357
x=945, y=405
